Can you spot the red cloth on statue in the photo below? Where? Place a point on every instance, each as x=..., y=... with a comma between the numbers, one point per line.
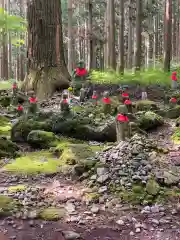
x=127, y=102
x=94, y=97
x=20, y=108
x=14, y=86
x=122, y=118
x=81, y=72
x=173, y=100
x=65, y=101
x=107, y=100
x=174, y=76
x=125, y=95
x=33, y=100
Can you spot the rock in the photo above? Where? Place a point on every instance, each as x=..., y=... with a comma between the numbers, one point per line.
x=95, y=209
x=101, y=171
x=173, y=112
x=103, y=178
x=146, y=105
x=138, y=230
x=70, y=207
x=52, y=213
x=103, y=189
x=171, y=177
x=71, y=235
x=149, y=120
x=155, y=209
x=42, y=139
x=23, y=127
x=152, y=187
x=8, y=148
x=155, y=221
x=120, y=222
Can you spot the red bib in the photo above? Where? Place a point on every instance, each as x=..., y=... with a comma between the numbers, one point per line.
x=94, y=97
x=107, y=100
x=33, y=100
x=65, y=101
x=125, y=95
x=127, y=102
x=174, y=76
x=20, y=108
x=81, y=72
x=14, y=86
x=173, y=100
x=122, y=118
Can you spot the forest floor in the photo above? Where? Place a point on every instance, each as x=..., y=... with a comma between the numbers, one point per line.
x=100, y=221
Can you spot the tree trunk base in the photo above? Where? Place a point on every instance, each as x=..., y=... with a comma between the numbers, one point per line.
x=46, y=81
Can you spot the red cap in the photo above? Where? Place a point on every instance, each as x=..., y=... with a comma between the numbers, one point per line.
x=174, y=73
x=94, y=97
x=173, y=100
x=19, y=108
x=122, y=118
x=127, y=102
x=125, y=95
x=107, y=100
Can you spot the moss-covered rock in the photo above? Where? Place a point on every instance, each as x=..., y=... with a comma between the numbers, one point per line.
x=8, y=148
x=149, y=120
x=5, y=126
x=16, y=188
x=77, y=153
x=92, y=197
x=52, y=214
x=152, y=187
x=42, y=139
x=23, y=127
x=145, y=105
x=173, y=112
x=6, y=205
x=5, y=101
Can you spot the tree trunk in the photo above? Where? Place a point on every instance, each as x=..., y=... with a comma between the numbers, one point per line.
x=168, y=36
x=46, y=63
x=138, y=35
x=4, y=49
x=121, y=47
x=70, y=37
x=130, y=36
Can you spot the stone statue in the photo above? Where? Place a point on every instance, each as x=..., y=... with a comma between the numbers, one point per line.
x=122, y=124
x=106, y=103
x=64, y=104
x=32, y=109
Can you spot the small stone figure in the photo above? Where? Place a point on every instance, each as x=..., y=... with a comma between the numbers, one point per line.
x=124, y=96
x=173, y=102
x=128, y=104
x=106, y=103
x=144, y=94
x=121, y=125
x=64, y=104
x=94, y=97
x=14, y=93
x=82, y=93
x=133, y=129
x=32, y=109
x=174, y=80
x=20, y=110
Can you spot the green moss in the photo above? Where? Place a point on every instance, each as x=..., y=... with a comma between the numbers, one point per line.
x=74, y=153
x=7, y=204
x=92, y=197
x=17, y=188
x=5, y=126
x=34, y=163
x=152, y=187
x=7, y=148
x=149, y=120
x=42, y=139
x=176, y=136
x=52, y=214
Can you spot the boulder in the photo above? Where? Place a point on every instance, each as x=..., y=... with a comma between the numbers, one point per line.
x=7, y=148
x=42, y=139
x=23, y=127
x=152, y=187
x=145, y=105
x=5, y=101
x=173, y=112
x=149, y=120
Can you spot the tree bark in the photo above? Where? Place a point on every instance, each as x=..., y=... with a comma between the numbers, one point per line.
x=70, y=36
x=46, y=63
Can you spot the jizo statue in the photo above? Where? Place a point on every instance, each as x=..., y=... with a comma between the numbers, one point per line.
x=64, y=104
x=106, y=103
x=32, y=103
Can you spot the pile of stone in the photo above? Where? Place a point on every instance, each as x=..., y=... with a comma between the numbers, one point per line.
x=127, y=163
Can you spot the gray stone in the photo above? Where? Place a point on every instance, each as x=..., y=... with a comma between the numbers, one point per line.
x=101, y=171
x=71, y=235
x=103, y=189
x=103, y=178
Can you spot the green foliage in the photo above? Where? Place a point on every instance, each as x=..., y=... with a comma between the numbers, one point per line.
x=149, y=77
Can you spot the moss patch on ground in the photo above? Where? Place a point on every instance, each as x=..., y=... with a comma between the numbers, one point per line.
x=176, y=136
x=52, y=214
x=5, y=126
x=17, y=188
x=6, y=205
x=35, y=163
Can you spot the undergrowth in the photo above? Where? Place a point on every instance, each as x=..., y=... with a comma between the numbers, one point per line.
x=147, y=77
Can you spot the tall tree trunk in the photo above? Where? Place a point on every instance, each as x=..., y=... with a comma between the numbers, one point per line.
x=70, y=37
x=4, y=48
x=9, y=48
x=111, y=36
x=21, y=52
x=138, y=52
x=168, y=36
x=121, y=67
x=130, y=36
x=47, y=68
